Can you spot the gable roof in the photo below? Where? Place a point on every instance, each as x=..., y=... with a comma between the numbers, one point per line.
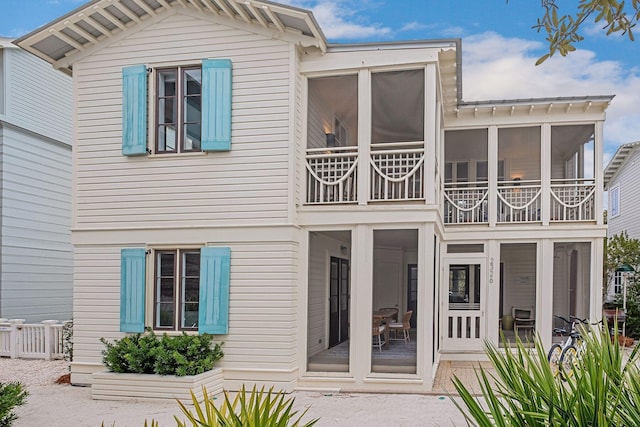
x=99, y=20
x=617, y=161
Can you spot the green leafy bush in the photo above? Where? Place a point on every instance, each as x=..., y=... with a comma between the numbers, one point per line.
x=169, y=355
x=11, y=395
x=604, y=389
x=261, y=409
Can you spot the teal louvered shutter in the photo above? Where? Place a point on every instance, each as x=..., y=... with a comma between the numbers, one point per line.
x=134, y=110
x=132, y=285
x=215, y=264
x=216, y=104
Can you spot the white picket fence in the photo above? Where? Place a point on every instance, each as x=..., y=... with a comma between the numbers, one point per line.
x=31, y=340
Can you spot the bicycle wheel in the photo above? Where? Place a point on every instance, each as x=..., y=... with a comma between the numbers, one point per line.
x=568, y=362
x=554, y=358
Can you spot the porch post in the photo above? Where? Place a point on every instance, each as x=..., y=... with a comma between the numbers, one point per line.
x=598, y=171
x=544, y=292
x=430, y=135
x=426, y=266
x=597, y=261
x=545, y=161
x=303, y=299
x=492, y=303
x=364, y=135
x=492, y=169
x=361, y=303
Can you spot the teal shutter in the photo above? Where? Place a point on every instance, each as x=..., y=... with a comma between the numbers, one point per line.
x=215, y=264
x=134, y=110
x=216, y=104
x=132, y=284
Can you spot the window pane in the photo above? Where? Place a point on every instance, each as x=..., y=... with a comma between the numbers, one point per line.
x=192, y=81
x=167, y=83
x=192, y=109
x=166, y=138
x=167, y=111
x=165, y=315
x=190, y=292
x=192, y=264
x=190, y=318
x=192, y=137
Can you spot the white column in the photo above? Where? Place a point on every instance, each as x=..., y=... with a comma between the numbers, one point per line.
x=361, y=303
x=425, y=303
x=492, y=170
x=544, y=291
x=545, y=161
x=597, y=261
x=303, y=303
x=430, y=134
x=364, y=134
x=492, y=304
x=598, y=144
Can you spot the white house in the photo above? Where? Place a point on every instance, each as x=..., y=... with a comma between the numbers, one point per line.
x=35, y=186
x=621, y=181
x=237, y=174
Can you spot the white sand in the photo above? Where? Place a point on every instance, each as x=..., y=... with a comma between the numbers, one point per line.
x=56, y=405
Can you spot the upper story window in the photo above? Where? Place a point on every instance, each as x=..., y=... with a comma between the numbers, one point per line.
x=614, y=201
x=179, y=112
x=191, y=110
x=618, y=282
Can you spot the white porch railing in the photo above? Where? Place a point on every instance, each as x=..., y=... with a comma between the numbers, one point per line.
x=31, y=341
x=466, y=203
x=397, y=171
x=519, y=201
x=573, y=199
x=332, y=175
x=464, y=324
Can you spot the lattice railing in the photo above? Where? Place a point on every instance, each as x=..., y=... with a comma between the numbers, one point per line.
x=397, y=171
x=466, y=203
x=519, y=201
x=332, y=175
x=573, y=199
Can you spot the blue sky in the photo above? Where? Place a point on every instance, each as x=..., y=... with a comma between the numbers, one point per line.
x=499, y=48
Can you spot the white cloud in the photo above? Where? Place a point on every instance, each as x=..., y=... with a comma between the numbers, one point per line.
x=340, y=19
x=413, y=26
x=495, y=67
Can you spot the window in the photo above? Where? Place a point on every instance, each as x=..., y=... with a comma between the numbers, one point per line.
x=614, y=201
x=191, y=112
x=179, y=110
x=188, y=289
x=618, y=282
x=177, y=289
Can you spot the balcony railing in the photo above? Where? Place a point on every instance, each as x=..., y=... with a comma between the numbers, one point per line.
x=397, y=171
x=519, y=201
x=466, y=203
x=332, y=175
x=573, y=199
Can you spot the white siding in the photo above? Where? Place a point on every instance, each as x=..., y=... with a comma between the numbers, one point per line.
x=248, y=185
x=36, y=218
x=262, y=312
x=628, y=178
x=519, y=275
x=39, y=97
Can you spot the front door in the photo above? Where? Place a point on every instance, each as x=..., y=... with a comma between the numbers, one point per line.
x=339, y=294
x=464, y=292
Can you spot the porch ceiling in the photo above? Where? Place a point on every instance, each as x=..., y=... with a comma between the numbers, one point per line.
x=99, y=20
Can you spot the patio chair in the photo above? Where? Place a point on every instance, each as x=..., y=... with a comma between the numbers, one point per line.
x=523, y=318
x=377, y=334
x=405, y=326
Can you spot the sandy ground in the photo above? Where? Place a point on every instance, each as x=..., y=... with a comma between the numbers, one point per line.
x=58, y=405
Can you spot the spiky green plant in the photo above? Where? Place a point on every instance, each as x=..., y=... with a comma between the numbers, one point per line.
x=260, y=409
x=604, y=389
x=11, y=395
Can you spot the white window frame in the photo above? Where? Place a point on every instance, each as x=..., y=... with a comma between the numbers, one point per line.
x=614, y=208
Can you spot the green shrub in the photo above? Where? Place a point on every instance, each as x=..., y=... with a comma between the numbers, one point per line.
x=261, y=409
x=169, y=355
x=604, y=389
x=67, y=340
x=11, y=395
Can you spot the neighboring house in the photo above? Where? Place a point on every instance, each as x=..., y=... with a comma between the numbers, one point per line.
x=621, y=177
x=35, y=188
x=238, y=175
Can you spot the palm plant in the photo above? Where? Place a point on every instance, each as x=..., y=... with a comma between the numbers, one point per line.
x=603, y=391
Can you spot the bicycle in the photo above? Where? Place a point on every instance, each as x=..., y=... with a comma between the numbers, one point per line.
x=562, y=357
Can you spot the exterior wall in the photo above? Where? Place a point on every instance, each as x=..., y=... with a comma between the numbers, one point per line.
x=38, y=97
x=251, y=180
x=627, y=178
x=238, y=199
x=35, y=143
x=37, y=260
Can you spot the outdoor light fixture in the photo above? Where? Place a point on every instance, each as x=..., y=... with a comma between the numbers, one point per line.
x=331, y=139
